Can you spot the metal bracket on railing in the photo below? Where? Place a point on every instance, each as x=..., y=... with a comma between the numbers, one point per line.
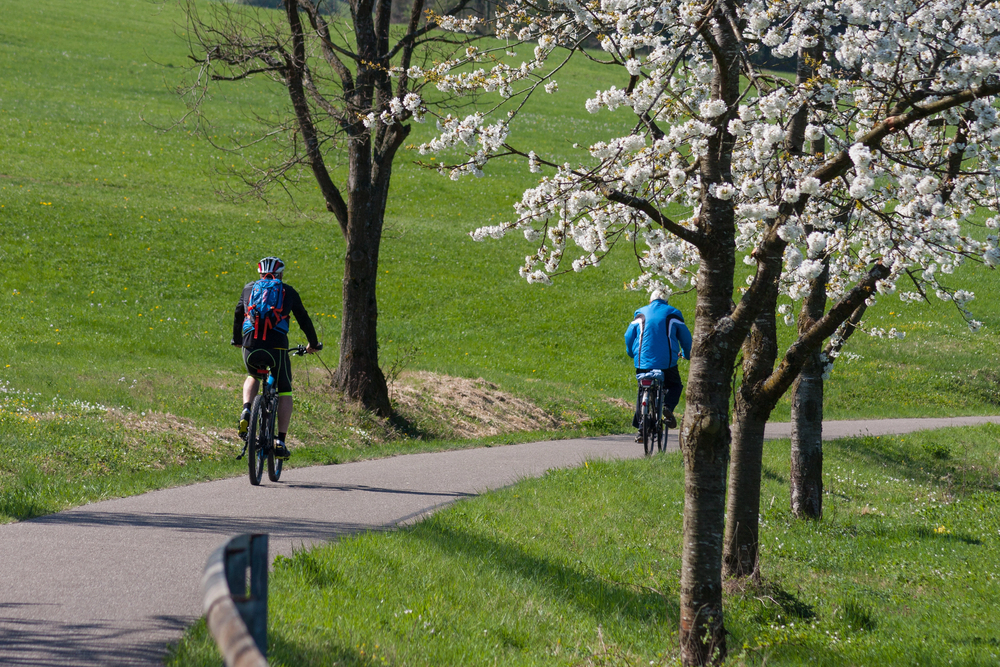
x=237, y=618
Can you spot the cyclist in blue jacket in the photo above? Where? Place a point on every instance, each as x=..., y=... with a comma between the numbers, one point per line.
x=655, y=339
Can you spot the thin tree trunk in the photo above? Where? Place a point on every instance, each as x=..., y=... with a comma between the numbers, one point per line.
x=705, y=433
x=743, y=499
x=750, y=415
x=361, y=216
x=358, y=374
x=806, y=479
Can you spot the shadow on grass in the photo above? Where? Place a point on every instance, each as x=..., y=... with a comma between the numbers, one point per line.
x=767, y=473
x=410, y=428
x=926, y=533
x=601, y=598
x=288, y=652
x=775, y=601
x=929, y=463
x=977, y=641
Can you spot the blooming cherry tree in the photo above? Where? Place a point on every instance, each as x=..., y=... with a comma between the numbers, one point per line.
x=863, y=175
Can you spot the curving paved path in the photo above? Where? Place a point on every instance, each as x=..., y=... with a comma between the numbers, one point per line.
x=112, y=583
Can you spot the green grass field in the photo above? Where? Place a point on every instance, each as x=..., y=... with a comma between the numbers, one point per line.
x=121, y=265
x=582, y=567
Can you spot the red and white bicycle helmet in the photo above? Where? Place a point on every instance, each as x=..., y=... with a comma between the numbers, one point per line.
x=271, y=266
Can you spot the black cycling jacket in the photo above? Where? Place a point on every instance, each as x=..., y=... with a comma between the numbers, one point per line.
x=292, y=303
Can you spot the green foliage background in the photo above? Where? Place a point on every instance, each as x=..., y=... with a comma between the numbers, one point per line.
x=121, y=264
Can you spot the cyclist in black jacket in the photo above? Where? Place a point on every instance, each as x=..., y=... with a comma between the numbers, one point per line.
x=268, y=346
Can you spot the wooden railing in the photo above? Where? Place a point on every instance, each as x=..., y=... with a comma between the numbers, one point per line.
x=237, y=618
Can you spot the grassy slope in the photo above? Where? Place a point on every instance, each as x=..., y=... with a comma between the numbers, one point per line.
x=582, y=568
x=121, y=265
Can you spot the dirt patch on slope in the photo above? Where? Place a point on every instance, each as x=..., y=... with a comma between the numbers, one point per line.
x=201, y=439
x=468, y=408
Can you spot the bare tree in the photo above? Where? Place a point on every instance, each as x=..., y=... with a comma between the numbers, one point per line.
x=351, y=94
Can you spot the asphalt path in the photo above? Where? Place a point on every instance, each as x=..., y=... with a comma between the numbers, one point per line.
x=112, y=583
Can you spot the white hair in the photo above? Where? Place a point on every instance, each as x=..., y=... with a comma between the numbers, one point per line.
x=658, y=295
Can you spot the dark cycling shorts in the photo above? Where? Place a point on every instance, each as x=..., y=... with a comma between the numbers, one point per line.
x=275, y=359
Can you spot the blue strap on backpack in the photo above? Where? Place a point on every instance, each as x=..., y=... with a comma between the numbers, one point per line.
x=264, y=310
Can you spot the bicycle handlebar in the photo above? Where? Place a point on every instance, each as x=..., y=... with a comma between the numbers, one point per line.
x=301, y=349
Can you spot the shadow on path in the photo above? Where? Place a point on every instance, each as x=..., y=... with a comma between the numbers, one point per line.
x=374, y=489
x=38, y=643
x=285, y=527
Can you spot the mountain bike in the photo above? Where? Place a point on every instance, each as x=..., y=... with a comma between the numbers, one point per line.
x=651, y=414
x=260, y=434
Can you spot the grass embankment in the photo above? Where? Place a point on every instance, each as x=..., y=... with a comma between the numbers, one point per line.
x=582, y=567
x=122, y=265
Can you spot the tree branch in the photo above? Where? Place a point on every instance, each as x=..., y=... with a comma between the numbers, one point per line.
x=330, y=49
x=294, y=77
x=693, y=237
x=841, y=163
x=809, y=341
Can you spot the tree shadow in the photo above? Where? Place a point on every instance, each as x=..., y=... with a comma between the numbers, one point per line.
x=925, y=533
x=289, y=652
x=41, y=643
x=410, y=428
x=767, y=473
x=776, y=603
x=591, y=594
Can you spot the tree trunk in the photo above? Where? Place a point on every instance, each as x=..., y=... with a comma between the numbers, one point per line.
x=362, y=215
x=806, y=481
x=705, y=431
x=358, y=374
x=743, y=499
x=750, y=415
x=705, y=443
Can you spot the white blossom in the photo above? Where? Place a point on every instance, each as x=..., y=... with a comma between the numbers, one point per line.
x=713, y=108
x=856, y=190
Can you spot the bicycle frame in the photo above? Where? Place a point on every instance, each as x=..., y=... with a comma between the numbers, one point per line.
x=260, y=436
x=651, y=412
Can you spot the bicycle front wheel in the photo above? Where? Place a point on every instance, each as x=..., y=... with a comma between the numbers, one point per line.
x=256, y=440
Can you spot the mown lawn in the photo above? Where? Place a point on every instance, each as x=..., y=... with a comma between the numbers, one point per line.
x=122, y=263
x=582, y=567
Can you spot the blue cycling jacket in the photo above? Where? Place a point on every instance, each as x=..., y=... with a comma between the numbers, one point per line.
x=656, y=335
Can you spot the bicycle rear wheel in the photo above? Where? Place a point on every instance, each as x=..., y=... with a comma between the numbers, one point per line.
x=274, y=464
x=255, y=441
x=661, y=429
x=647, y=426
